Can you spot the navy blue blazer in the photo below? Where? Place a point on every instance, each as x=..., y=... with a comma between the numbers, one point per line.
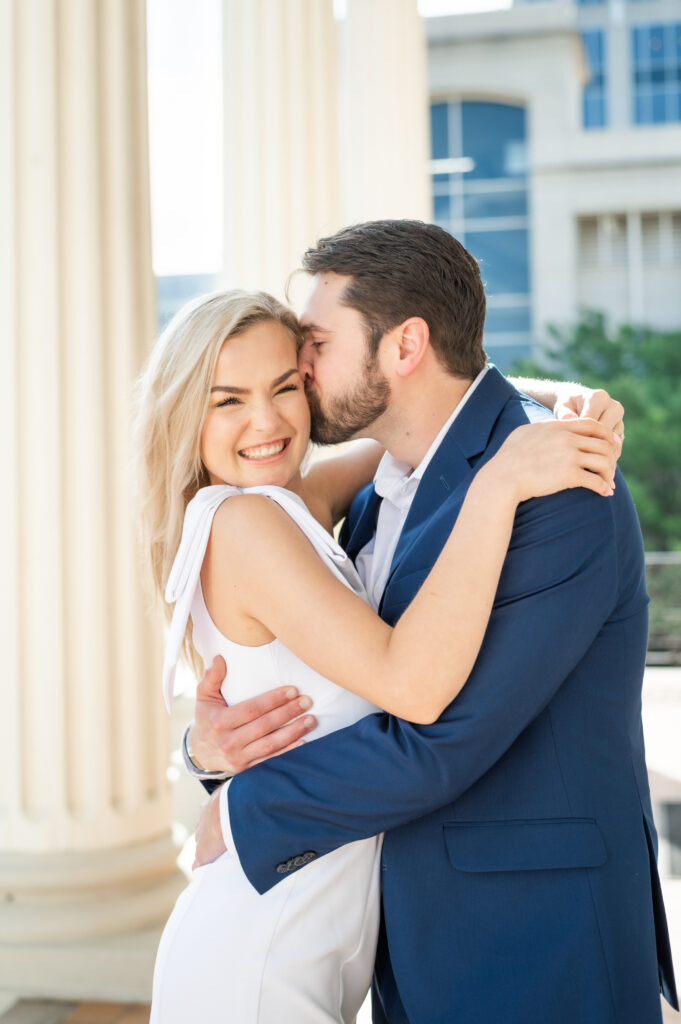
x=519, y=876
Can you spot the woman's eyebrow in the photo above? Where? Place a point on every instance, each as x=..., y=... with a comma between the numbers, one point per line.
x=244, y=391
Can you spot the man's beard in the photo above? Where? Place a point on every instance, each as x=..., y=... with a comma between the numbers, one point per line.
x=345, y=415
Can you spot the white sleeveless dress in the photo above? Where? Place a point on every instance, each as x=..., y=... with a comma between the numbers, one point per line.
x=303, y=952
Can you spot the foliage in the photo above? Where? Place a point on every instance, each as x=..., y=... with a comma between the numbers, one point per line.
x=642, y=368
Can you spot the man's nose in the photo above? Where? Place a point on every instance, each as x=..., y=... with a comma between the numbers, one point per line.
x=306, y=362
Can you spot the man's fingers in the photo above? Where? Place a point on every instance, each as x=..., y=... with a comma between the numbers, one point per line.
x=273, y=720
x=277, y=742
x=209, y=687
x=248, y=711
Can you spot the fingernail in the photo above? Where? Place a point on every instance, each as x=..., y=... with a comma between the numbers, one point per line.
x=304, y=703
x=291, y=693
x=616, y=437
x=309, y=722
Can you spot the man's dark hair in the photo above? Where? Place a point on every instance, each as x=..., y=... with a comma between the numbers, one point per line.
x=405, y=268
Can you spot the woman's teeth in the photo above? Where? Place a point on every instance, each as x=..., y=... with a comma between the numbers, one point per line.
x=263, y=451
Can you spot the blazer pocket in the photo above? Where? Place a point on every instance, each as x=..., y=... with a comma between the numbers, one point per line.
x=525, y=845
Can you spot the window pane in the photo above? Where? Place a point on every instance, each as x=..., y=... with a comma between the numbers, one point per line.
x=503, y=257
x=507, y=319
x=594, y=109
x=504, y=356
x=494, y=138
x=495, y=204
x=441, y=210
x=439, y=131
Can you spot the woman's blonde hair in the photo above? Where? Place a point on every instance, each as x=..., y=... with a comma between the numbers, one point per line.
x=172, y=396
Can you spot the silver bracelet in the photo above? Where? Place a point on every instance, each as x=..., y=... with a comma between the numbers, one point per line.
x=192, y=768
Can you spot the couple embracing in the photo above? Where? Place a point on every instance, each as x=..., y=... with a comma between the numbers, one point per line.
x=469, y=820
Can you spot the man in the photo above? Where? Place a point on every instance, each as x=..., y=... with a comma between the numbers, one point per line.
x=518, y=873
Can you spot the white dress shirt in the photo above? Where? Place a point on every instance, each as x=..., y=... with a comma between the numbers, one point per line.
x=396, y=483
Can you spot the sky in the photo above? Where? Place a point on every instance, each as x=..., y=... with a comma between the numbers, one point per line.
x=185, y=127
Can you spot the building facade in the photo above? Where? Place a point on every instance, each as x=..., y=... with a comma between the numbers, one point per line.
x=556, y=158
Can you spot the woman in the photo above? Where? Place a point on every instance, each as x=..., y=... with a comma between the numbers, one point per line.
x=239, y=539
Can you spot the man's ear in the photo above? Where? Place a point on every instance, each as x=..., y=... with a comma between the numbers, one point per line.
x=411, y=344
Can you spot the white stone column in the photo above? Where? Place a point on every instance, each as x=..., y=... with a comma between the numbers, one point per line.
x=85, y=845
x=280, y=136
x=384, y=112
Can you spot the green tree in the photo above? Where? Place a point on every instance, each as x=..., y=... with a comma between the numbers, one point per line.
x=642, y=368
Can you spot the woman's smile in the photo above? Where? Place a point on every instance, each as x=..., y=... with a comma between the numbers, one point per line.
x=266, y=453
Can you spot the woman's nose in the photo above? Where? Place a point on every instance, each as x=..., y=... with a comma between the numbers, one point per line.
x=265, y=417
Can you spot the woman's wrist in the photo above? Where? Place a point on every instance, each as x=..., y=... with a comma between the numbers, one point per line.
x=499, y=484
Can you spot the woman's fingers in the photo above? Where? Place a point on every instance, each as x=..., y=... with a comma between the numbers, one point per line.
x=593, y=482
x=599, y=467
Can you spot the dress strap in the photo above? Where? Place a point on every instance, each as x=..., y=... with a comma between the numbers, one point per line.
x=184, y=575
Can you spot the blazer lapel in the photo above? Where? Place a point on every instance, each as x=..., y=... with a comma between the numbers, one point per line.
x=362, y=529
x=454, y=461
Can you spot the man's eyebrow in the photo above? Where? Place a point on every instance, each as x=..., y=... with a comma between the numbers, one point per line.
x=313, y=329
x=244, y=391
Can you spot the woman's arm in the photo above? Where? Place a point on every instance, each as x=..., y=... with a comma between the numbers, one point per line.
x=335, y=480
x=566, y=399
x=277, y=579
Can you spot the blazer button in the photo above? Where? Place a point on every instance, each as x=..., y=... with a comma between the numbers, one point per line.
x=283, y=868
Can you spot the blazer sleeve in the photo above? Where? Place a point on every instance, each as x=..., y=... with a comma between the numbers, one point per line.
x=558, y=587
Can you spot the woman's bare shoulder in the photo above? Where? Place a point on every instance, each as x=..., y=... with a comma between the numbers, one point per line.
x=248, y=524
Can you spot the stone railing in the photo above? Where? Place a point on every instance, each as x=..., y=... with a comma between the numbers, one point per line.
x=663, y=571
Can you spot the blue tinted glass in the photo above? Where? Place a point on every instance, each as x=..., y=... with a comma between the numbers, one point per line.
x=639, y=46
x=507, y=319
x=656, y=43
x=495, y=204
x=594, y=110
x=503, y=257
x=441, y=210
x=494, y=137
x=677, y=34
x=642, y=109
x=659, y=110
x=593, y=44
x=504, y=356
x=439, y=133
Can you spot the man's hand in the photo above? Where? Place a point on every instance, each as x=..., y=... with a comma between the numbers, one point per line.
x=575, y=401
x=230, y=739
x=209, y=842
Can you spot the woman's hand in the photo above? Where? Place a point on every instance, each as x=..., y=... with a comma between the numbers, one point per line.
x=542, y=458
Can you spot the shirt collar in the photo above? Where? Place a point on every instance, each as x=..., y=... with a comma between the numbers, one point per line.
x=396, y=480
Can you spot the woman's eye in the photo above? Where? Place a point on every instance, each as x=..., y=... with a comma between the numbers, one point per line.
x=227, y=401
x=289, y=387
x=316, y=345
